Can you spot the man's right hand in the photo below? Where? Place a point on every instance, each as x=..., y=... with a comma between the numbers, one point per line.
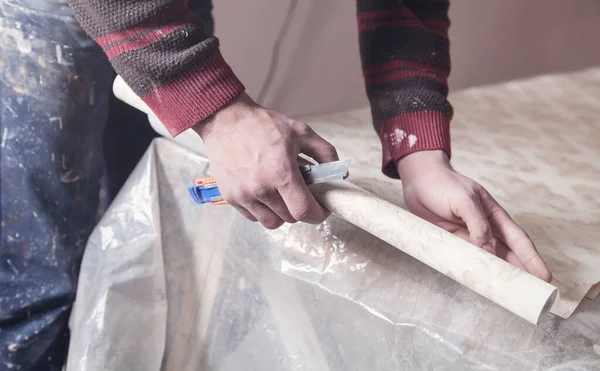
x=253, y=154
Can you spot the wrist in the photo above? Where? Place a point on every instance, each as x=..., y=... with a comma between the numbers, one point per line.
x=235, y=110
x=422, y=162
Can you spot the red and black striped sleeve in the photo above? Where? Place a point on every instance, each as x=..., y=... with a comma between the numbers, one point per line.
x=406, y=62
x=164, y=54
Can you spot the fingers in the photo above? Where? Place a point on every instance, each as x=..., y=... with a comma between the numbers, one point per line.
x=300, y=202
x=296, y=195
x=247, y=214
x=503, y=252
x=515, y=238
x=267, y=217
x=497, y=248
x=472, y=214
x=255, y=211
x=279, y=196
x=277, y=192
x=260, y=202
x=315, y=146
x=485, y=218
x=274, y=202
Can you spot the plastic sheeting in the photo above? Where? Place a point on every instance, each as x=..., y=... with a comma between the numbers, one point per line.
x=170, y=285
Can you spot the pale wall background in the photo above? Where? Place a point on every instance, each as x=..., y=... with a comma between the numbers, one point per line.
x=319, y=70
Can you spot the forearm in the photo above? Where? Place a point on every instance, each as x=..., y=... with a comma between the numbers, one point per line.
x=163, y=53
x=406, y=63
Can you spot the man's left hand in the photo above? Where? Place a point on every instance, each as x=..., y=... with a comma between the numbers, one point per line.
x=440, y=195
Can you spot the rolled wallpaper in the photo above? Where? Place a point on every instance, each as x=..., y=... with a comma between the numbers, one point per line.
x=504, y=284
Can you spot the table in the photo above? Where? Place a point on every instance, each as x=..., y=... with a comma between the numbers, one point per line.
x=170, y=285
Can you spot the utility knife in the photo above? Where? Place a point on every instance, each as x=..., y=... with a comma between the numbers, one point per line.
x=206, y=191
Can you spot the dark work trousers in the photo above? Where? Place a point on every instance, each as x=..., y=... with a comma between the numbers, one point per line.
x=62, y=133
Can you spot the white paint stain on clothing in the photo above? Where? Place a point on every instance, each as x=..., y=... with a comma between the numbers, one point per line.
x=397, y=136
x=54, y=246
x=70, y=176
x=11, y=265
x=19, y=39
x=60, y=122
x=412, y=140
x=59, y=58
x=596, y=348
x=41, y=61
x=11, y=110
x=14, y=35
x=4, y=136
x=400, y=134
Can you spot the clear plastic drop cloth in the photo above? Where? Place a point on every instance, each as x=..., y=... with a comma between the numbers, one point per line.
x=170, y=285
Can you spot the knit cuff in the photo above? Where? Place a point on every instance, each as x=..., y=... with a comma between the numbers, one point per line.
x=194, y=95
x=412, y=132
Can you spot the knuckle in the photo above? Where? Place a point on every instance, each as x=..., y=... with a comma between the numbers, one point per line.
x=475, y=188
x=483, y=225
x=301, y=212
x=281, y=175
x=258, y=190
x=495, y=212
x=469, y=196
x=301, y=128
x=267, y=115
x=304, y=213
x=483, y=229
x=235, y=197
x=272, y=223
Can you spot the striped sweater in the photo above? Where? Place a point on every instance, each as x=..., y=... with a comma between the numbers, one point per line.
x=164, y=54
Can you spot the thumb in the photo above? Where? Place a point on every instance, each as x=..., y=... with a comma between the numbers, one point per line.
x=313, y=145
x=472, y=214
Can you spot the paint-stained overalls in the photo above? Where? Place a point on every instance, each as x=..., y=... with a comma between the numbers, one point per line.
x=58, y=138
